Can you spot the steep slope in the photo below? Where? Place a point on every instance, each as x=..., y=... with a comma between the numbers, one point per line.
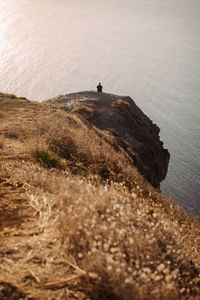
x=77, y=219
x=133, y=130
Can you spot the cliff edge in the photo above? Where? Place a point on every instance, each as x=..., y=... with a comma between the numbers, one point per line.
x=133, y=130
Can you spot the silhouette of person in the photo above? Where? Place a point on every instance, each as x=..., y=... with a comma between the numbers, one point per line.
x=99, y=87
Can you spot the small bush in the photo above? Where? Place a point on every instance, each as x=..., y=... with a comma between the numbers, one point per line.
x=63, y=146
x=46, y=158
x=102, y=169
x=82, y=156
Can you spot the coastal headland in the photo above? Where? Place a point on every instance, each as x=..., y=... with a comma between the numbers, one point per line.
x=81, y=214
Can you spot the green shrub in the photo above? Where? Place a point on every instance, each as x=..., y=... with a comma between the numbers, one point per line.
x=46, y=158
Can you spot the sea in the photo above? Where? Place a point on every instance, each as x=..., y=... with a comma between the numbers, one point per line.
x=146, y=49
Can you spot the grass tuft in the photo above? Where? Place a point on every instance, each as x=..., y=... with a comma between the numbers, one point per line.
x=46, y=158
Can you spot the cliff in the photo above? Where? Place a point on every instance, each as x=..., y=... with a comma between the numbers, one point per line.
x=132, y=129
x=77, y=218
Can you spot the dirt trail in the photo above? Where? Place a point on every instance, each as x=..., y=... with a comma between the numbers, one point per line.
x=16, y=216
x=14, y=209
x=31, y=265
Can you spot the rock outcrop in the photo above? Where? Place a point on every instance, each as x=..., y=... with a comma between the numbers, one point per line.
x=134, y=131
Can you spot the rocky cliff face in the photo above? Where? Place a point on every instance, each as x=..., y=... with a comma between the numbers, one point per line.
x=132, y=129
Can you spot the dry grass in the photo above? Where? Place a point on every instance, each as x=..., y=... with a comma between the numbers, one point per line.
x=89, y=235
x=6, y=95
x=126, y=244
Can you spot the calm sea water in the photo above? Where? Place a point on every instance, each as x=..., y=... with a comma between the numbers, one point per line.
x=147, y=49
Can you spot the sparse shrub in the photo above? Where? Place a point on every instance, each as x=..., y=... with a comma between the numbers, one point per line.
x=81, y=156
x=100, y=169
x=105, y=170
x=63, y=146
x=46, y=158
x=66, y=147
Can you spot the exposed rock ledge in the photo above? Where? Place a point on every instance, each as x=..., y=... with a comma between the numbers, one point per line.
x=134, y=131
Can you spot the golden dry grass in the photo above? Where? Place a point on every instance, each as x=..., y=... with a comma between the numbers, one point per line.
x=76, y=233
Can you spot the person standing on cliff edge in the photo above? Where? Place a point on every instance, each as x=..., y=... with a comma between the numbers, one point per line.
x=99, y=87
